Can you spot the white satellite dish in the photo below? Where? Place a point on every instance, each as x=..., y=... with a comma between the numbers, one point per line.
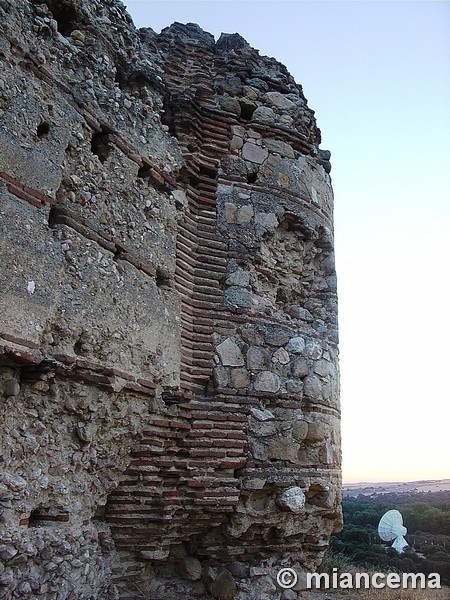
x=391, y=528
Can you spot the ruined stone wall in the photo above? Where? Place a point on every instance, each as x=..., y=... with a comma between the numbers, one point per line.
x=168, y=338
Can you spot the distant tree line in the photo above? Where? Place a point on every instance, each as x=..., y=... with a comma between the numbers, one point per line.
x=425, y=515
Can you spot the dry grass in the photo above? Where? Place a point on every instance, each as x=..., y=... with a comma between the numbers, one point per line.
x=381, y=594
x=343, y=565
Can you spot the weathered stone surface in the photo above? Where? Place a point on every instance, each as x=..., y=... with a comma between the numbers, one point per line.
x=292, y=500
x=300, y=430
x=254, y=153
x=266, y=220
x=262, y=414
x=279, y=147
x=296, y=345
x=230, y=354
x=283, y=449
x=298, y=312
x=266, y=381
x=258, y=358
x=281, y=356
x=313, y=350
x=312, y=387
x=238, y=277
x=244, y=214
x=264, y=114
x=221, y=376
x=240, y=378
x=316, y=432
x=11, y=387
x=300, y=367
x=224, y=586
x=190, y=568
x=166, y=234
x=278, y=100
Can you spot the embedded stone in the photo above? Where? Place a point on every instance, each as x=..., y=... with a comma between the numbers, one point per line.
x=190, y=568
x=224, y=586
x=316, y=432
x=230, y=105
x=238, y=296
x=240, y=378
x=238, y=130
x=283, y=449
x=292, y=500
x=6, y=578
x=258, y=450
x=300, y=367
x=7, y=553
x=281, y=356
x=312, y=387
x=258, y=358
x=236, y=143
x=313, y=350
x=247, y=107
x=278, y=100
x=230, y=212
x=221, y=376
x=262, y=429
x=296, y=345
x=244, y=214
x=323, y=368
x=300, y=430
x=266, y=220
x=230, y=354
x=23, y=589
x=254, y=483
x=298, y=312
x=263, y=114
x=262, y=414
x=254, y=153
x=14, y=482
x=11, y=387
x=266, y=381
x=279, y=147
x=277, y=337
x=295, y=387
x=238, y=277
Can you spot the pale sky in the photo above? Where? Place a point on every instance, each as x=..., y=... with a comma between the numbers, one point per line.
x=377, y=74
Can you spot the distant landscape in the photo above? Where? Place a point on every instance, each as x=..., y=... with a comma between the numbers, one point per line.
x=425, y=506
x=366, y=489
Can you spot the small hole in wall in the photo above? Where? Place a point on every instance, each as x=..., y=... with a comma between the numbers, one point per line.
x=78, y=347
x=247, y=111
x=162, y=279
x=64, y=14
x=144, y=172
x=100, y=513
x=252, y=177
x=43, y=516
x=42, y=130
x=100, y=145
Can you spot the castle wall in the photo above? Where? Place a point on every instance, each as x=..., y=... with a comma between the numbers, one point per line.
x=169, y=362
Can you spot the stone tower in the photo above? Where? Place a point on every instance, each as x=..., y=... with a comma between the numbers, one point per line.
x=168, y=349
